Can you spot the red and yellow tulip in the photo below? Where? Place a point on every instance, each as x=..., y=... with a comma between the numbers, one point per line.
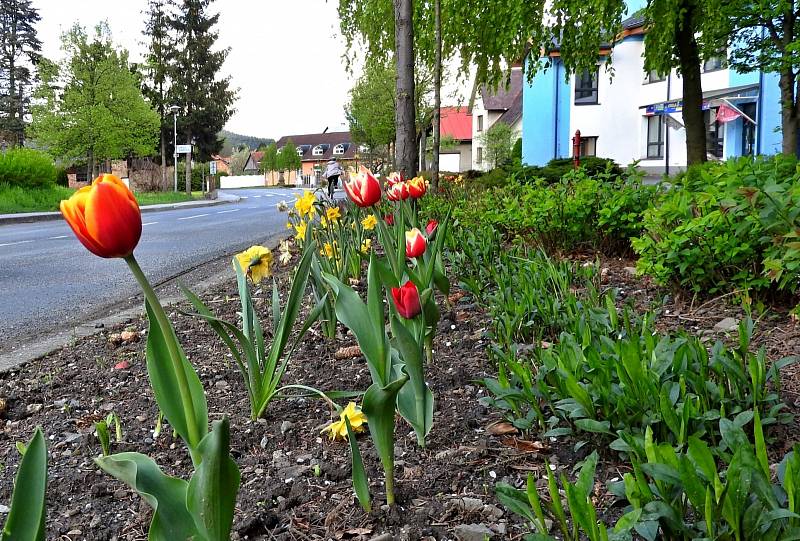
x=364, y=190
x=415, y=243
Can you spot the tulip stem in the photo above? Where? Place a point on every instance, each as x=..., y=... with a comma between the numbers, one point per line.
x=172, y=347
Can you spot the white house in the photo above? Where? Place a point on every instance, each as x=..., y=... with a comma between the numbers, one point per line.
x=501, y=105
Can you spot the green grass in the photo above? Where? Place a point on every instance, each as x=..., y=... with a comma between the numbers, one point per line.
x=15, y=199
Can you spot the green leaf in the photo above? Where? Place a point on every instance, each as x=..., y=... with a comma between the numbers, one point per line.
x=359, y=473
x=418, y=413
x=164, y=382
x=26, y=519
x=211, y=494
x=165, y=494
x=515, y=501
x=590, y=425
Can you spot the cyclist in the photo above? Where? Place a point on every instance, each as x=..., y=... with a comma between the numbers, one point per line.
x=332, y=173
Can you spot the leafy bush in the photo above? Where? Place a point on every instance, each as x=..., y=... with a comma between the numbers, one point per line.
x=557, y=168
x=496, y=178
x=27, y=168
x=727, y=226
x=197, y=176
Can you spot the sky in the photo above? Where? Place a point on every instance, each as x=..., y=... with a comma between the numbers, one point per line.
x=285, y=58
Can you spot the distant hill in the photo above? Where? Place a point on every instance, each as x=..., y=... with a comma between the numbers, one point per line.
x=233, y=140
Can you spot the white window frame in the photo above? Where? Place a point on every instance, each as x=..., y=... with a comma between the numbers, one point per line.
x=318, y=150
x=339, y=149
x=300, y=152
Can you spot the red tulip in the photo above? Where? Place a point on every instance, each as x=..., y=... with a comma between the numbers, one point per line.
x=105, y=217
x=394, y=178
x=389, y=219
x=431, y=227
x=397, y=192
x=415, y=243
x=417, y=187
x=406, y=300
x=364, y=190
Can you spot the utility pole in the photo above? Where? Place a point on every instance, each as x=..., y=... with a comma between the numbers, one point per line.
x=174, y=110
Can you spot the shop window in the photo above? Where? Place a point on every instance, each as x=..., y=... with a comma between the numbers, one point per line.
x=655, y=136
x=715, y=135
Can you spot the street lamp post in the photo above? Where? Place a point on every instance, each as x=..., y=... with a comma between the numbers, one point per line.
x=174, y=110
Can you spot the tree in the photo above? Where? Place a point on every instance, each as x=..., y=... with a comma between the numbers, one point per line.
x=19, y=50
x=370, y=111
x=239, y=160
x=765, y=36
x=269, y=161
x=288, y=159
x=205, y=100
x=90, y=107
x=157, y=69
x=405, y=115
x=497, y=142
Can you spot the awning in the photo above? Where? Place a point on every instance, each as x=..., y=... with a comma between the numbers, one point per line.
x=711, y=98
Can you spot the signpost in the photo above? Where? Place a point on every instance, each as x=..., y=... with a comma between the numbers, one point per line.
x=212, y=165
x=183, y=149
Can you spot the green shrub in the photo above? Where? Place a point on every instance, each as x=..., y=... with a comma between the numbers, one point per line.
x=556, y=169
x=27, y=168
x=61, y=177
x=197, y=176
x=493, y=179
x=726, y=226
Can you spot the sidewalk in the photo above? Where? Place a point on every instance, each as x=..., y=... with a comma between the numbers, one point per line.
x=222, y=199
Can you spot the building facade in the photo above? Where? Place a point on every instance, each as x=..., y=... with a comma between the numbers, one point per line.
x=636, y=116
x=504, y=104
x=315, y=149
x=456, y=125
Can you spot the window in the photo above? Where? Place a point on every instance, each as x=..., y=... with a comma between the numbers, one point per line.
x=318, y=151
x=715, y=134
x=586, y=87
x=480, y=155
x=588, y=146
x=652, y=76
x=480, y=122
x=716, y=62
x=300, y=152
x=655, y=136
x=339, y=149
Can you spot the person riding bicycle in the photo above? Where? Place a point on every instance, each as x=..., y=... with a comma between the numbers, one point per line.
x=332, y=172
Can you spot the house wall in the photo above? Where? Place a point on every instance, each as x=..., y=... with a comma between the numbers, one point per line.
x=489, y=118
x=544, y=125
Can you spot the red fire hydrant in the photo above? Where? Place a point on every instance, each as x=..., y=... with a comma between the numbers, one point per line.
x=576, y=149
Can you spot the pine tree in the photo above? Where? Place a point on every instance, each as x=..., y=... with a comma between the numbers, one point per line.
x=19, y=50
x=159, y=45
x=205, y=99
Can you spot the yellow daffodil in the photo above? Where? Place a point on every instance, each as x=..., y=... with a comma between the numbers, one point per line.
x=301, y=230
x=365, y=246
x=328, y=250
x=333, y=214
x=369, y=222
x=323, y=222
x=285, y=253
x=289, y=225
x=256, y=262
x=338, y=429
x=305, y=204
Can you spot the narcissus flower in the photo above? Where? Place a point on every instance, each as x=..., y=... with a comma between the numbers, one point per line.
x=417, y=187
x=338, y=429
x=406, y=300
x=105, y=217
x=282, y=206
x=256, y=262
x=365, y=246
x=289, y=225
x=301, y=230
x=415, y=243
x=369, y=222
x=364, y=190
x=431, y=226
x=328, y=250
x=305, y=204
x=333, y=213
x=397, y=192
x=285, y=252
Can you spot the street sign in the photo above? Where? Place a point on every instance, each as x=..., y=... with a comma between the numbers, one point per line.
x=183, y=149
x=212, y=167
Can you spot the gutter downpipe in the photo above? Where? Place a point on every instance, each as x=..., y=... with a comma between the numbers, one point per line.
x=555, y=116
x=759, y=104
x=666, y=129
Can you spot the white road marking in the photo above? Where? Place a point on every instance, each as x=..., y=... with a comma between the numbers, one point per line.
x=252, y=207
x=226, y=211
x=243, y=197
x=58, y=237
x=256, y=197
x=150, y=223
x=15, y=243
x=192, y=217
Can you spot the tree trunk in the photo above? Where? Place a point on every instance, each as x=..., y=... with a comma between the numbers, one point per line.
x=188, y=170
x=405, y=116
x=689, y=58
x=789, y=118
x=163, y=157
x=437, y=95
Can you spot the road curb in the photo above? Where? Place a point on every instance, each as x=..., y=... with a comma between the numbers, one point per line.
x=32, y=217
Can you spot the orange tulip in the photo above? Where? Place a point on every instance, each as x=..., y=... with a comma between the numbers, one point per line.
x=364, y=190
x=415, y=243
x=105, y=217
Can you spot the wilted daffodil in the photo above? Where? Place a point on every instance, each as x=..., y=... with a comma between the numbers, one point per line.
x=333, y=214
x=282, y=206
x=305, y=204
x=338, y=429
x=285, y=253
x=256, y=262
x=369, y=222
x=365, y=246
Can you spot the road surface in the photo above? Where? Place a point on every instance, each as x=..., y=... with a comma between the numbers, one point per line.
x=48, y=280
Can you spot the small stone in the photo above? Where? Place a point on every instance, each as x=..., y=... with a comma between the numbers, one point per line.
x=631, y=271
x=286, y=426
x=95, y=522
x=120, y=494
x=99, y=326
x=4, y=509
x=33, y=408
x=470, y=505
x=473, y=532
x=727, y=325
x=99, y=489
x=383, y=537
x=221, y=384
x=74, y=532
x=122, y=365
x=264, y=442
x=129, y=336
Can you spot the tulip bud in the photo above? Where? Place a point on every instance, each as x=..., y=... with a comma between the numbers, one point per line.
x=105, y=217
x=430, y=228
x=406, y=300
x=389, y=219
x=415, y=243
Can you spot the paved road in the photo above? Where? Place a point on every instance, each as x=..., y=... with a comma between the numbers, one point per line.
x=49, y=280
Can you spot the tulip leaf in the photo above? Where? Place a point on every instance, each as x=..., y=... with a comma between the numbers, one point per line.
x=165, y=494
x=164, y=381
x=26, y=519
x=360, y=482
x=211, y=495
x=416, y=400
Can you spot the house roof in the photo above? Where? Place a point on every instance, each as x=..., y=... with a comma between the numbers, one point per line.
x=634, y=21
x=328, y=141
x=218, y=158
x=503, y=98
x=456, y=122
x=513, y=113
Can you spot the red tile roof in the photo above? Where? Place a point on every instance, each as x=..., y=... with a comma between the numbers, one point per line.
x=456, y=123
